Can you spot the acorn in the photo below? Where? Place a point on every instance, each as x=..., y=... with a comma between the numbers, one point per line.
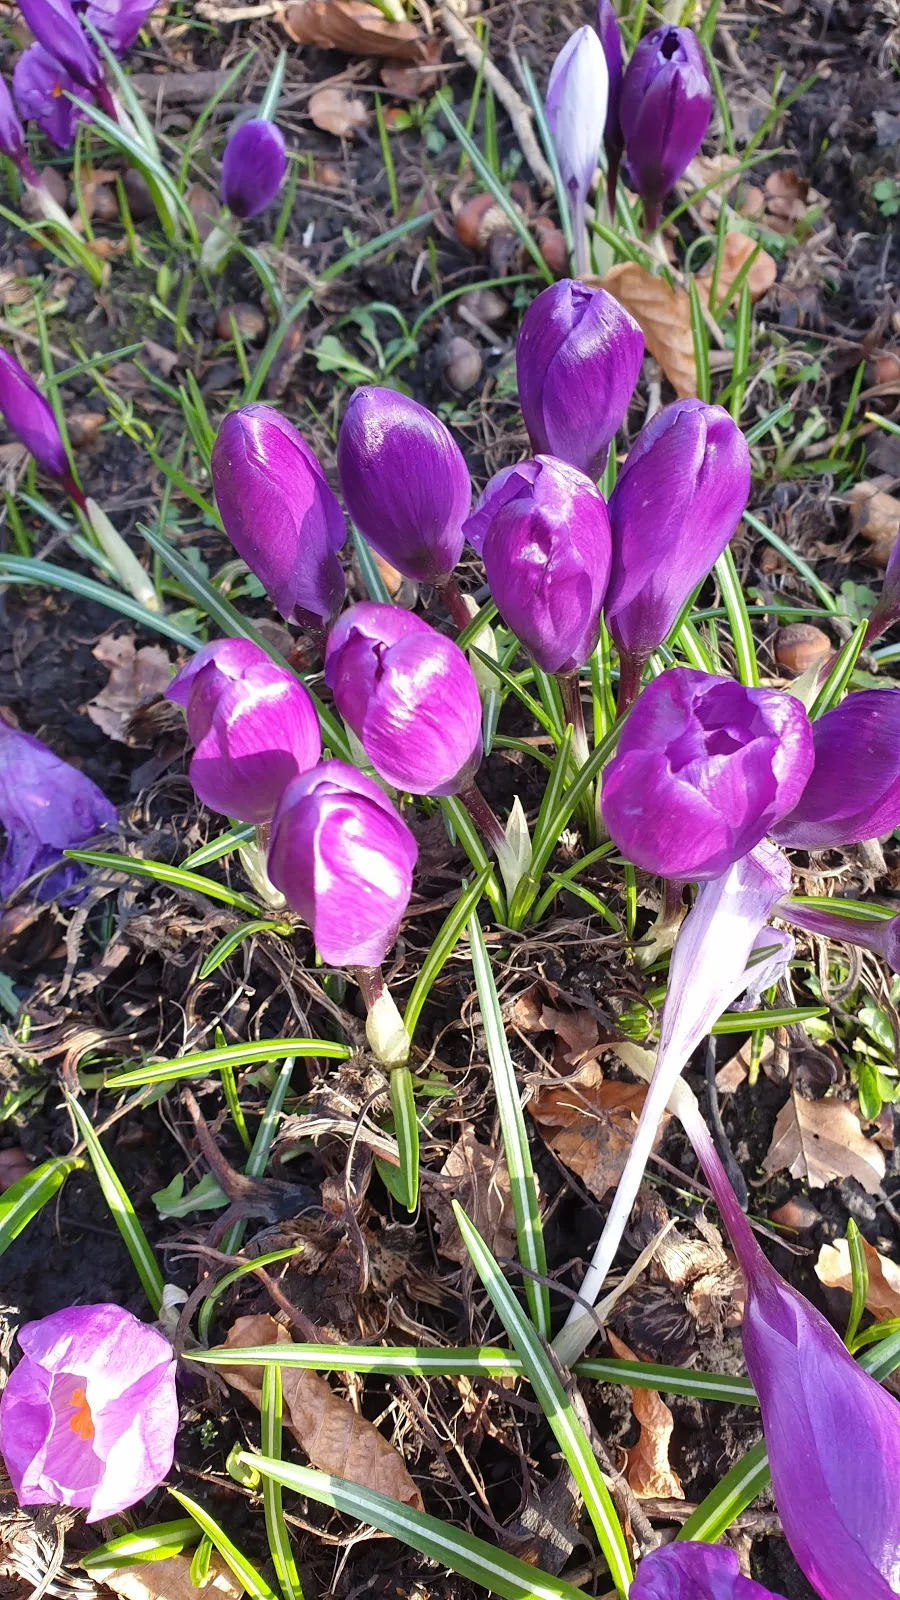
x=552, y=244
x=800, y=646
x=485, y=304
x=249, y=320
x=462, y=365
x=477, y=219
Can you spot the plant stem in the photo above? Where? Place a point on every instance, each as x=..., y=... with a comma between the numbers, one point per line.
x=630, y=670
x=513, y=862
x=573, y=707
x=579, y=236
x=385, y=1029
x=449, y=592
x=484, y=817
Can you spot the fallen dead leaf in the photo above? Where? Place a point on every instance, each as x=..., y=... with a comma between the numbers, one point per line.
x=337, y=111
x=171, y=1580
x=649, y=1474
x=876, y=515
x=481, y=1186
x=664, y=316
x=788, y=199
x=734, y=1072
x=736, y=251
x=134, y=677
x=166, y=360
x=577, y=1034
x=14, y=1164
x=589, y=1124
x=353, y=26
x=328, y=1430
x=822, y=1139
x=400, y=77
x=883, y=1295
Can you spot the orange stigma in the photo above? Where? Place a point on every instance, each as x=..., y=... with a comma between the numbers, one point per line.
x=81, y=1423
x=56, y=91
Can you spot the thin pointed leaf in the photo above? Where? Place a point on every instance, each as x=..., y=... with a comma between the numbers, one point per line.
x=121, y=1209
x=29, y=570
x=406, y=1129
x=226, y=946
x=161, y=872
x=253, y=1581
x=27, y=1196
x=200, y=1063
x=270, y=1444
x=159, y=1542
x=442, y=948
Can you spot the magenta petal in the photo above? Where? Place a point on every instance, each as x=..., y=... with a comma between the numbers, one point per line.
x=689, y=1571
x=46, y=807
x=29, y=415
x=665, y=107
x=253, y=167
x=853, y=791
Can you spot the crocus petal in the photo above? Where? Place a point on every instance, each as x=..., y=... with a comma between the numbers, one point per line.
x=12, y=134
x=665, y=109
x=46, y=807
x=119, y=21
x=688, y=1571
x=253, y=167
x=576, y=104
x=881, y=935
x=41, y=86
x=29, y=416
x=55, y=26
x=853, y=791
x=135, y=1439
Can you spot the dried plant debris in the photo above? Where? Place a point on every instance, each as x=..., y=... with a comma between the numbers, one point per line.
x=821, y=1140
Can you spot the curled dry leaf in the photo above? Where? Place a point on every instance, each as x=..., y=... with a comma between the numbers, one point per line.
x=883, y=1294
x=788, y=199
x=649, y=1474
x=480, y=1183
x=589, y=1124
x=821, y=1140
x=664, y=316
x=327, y=1428
x=576, y=1032
x=876, y=515
x=737, y=248
x=171, y=1580
x=134, y=677
x=337, y=111
x=353, y=26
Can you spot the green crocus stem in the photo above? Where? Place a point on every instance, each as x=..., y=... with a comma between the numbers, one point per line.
x=253, y=860
x=630, y=670
x=385, y=1029
x=573, y=706
x=455, y=602
x=579, y=236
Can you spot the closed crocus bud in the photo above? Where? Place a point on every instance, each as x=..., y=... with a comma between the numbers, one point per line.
x=280, y=514
x=89, y=1415
x=543, y=533
x=41, y=86
x=119, y=21
x=677, y=501
x=578, y=356
x=664, y=110
x=611, y=40
x=12, y=136
x=688, y=1571
x=704, y=768
x=46, y=807
x=253, y=167
x=854, y=789
x=576, y=103
x=410, y=697
x=343, y=858
x=252, y=724
x=405, y=483
x=56, y=26
x=30, y=417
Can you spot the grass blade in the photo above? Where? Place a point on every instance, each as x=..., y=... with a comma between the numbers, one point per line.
x=226, y=946
x=253, y=1581
x=497, y=189
x=121, y=1209
x=859, y=1277
x=466, y=832
x=732, y=1495
x=161, y=872
x=839, y=677
x=202, y=1062
x=406, y=1129
x=523, y=1189
x=258, y=1159
x=156, y=1543
x=442, y=949
x=554, y=1403
x=738, y=619
x=276, y=1531
x=29, y=570
x=224, y=845
x=27, y=1196
x=542, y=850
x=216, y=1293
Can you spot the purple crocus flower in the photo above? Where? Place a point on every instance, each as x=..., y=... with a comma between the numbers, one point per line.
x=410, y=697
x=29, y=415
x=543, y=533
x=854, y=789
x=46, y=807
x=12, y=137
x=578, y=356
x=880, y=934
x=253, y=167
x=119, y=21
x=704, y=768
x=664, y=109
x=343, y=858
x=887, y=609
x=611, y=39
x=56, y=26
x=688, y=1571
x=576, y=104
x=405, y=483
x=280, y=514
x=41, y=86
x=88, y=1418
x=252, y=724
x=676, y=504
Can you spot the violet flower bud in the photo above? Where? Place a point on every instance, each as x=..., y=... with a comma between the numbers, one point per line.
x=343, y=858
x=119, y=21
x=405, y=483
x=410, y=697
x=854, y=789
x=56, y=26
x=29, y=415
x=665, y=108
x=879, y=934
x=543, y=533
x=46, y=807
x=676, y=503
x=41, y=86
x=607, y=26
x=703, y=770
x=89, y=1415
x=280, y=514
x=253, y=727
x=578, y=356
x=688, y=1571
x=253, y=167
x=576, y=105
x=12, y=136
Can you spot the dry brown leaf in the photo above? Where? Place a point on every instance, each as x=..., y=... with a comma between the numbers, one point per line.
x=649, y=1474
x=327, y=1428
x=481, y=1186
x=664, y=316
x=820, y=1140
x=576, y=1033
x=353, y=26
x=883, y=1295
x=337, y=111
x=589, y=1124
x=876, y=515
x=734, y=1072
x=134, y=676
x=736, y=250
x=171, y=1580
x=788, y=198
x=399, y=77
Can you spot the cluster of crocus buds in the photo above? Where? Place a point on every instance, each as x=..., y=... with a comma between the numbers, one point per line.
x=46, y=808
x=89, y=1414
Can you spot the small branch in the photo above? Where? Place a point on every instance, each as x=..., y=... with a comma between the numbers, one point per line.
x=474, y=52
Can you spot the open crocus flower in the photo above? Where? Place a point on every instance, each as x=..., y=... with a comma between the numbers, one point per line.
x=252, y=724
x=405, y=483
x=410, y=697
x=253, y=167
x=88, y=1418
x=665, y=109
x=703, y=770
x=42, y=86
x=280, y=514
x=46, y=807
x=853, y=791
x=56, y=26
x=688, y=1571
x=343, y=858
x=576, y=104
x=578, y=356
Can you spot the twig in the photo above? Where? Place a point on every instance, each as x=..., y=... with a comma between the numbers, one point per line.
x=216, y=13
x=475, y=53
